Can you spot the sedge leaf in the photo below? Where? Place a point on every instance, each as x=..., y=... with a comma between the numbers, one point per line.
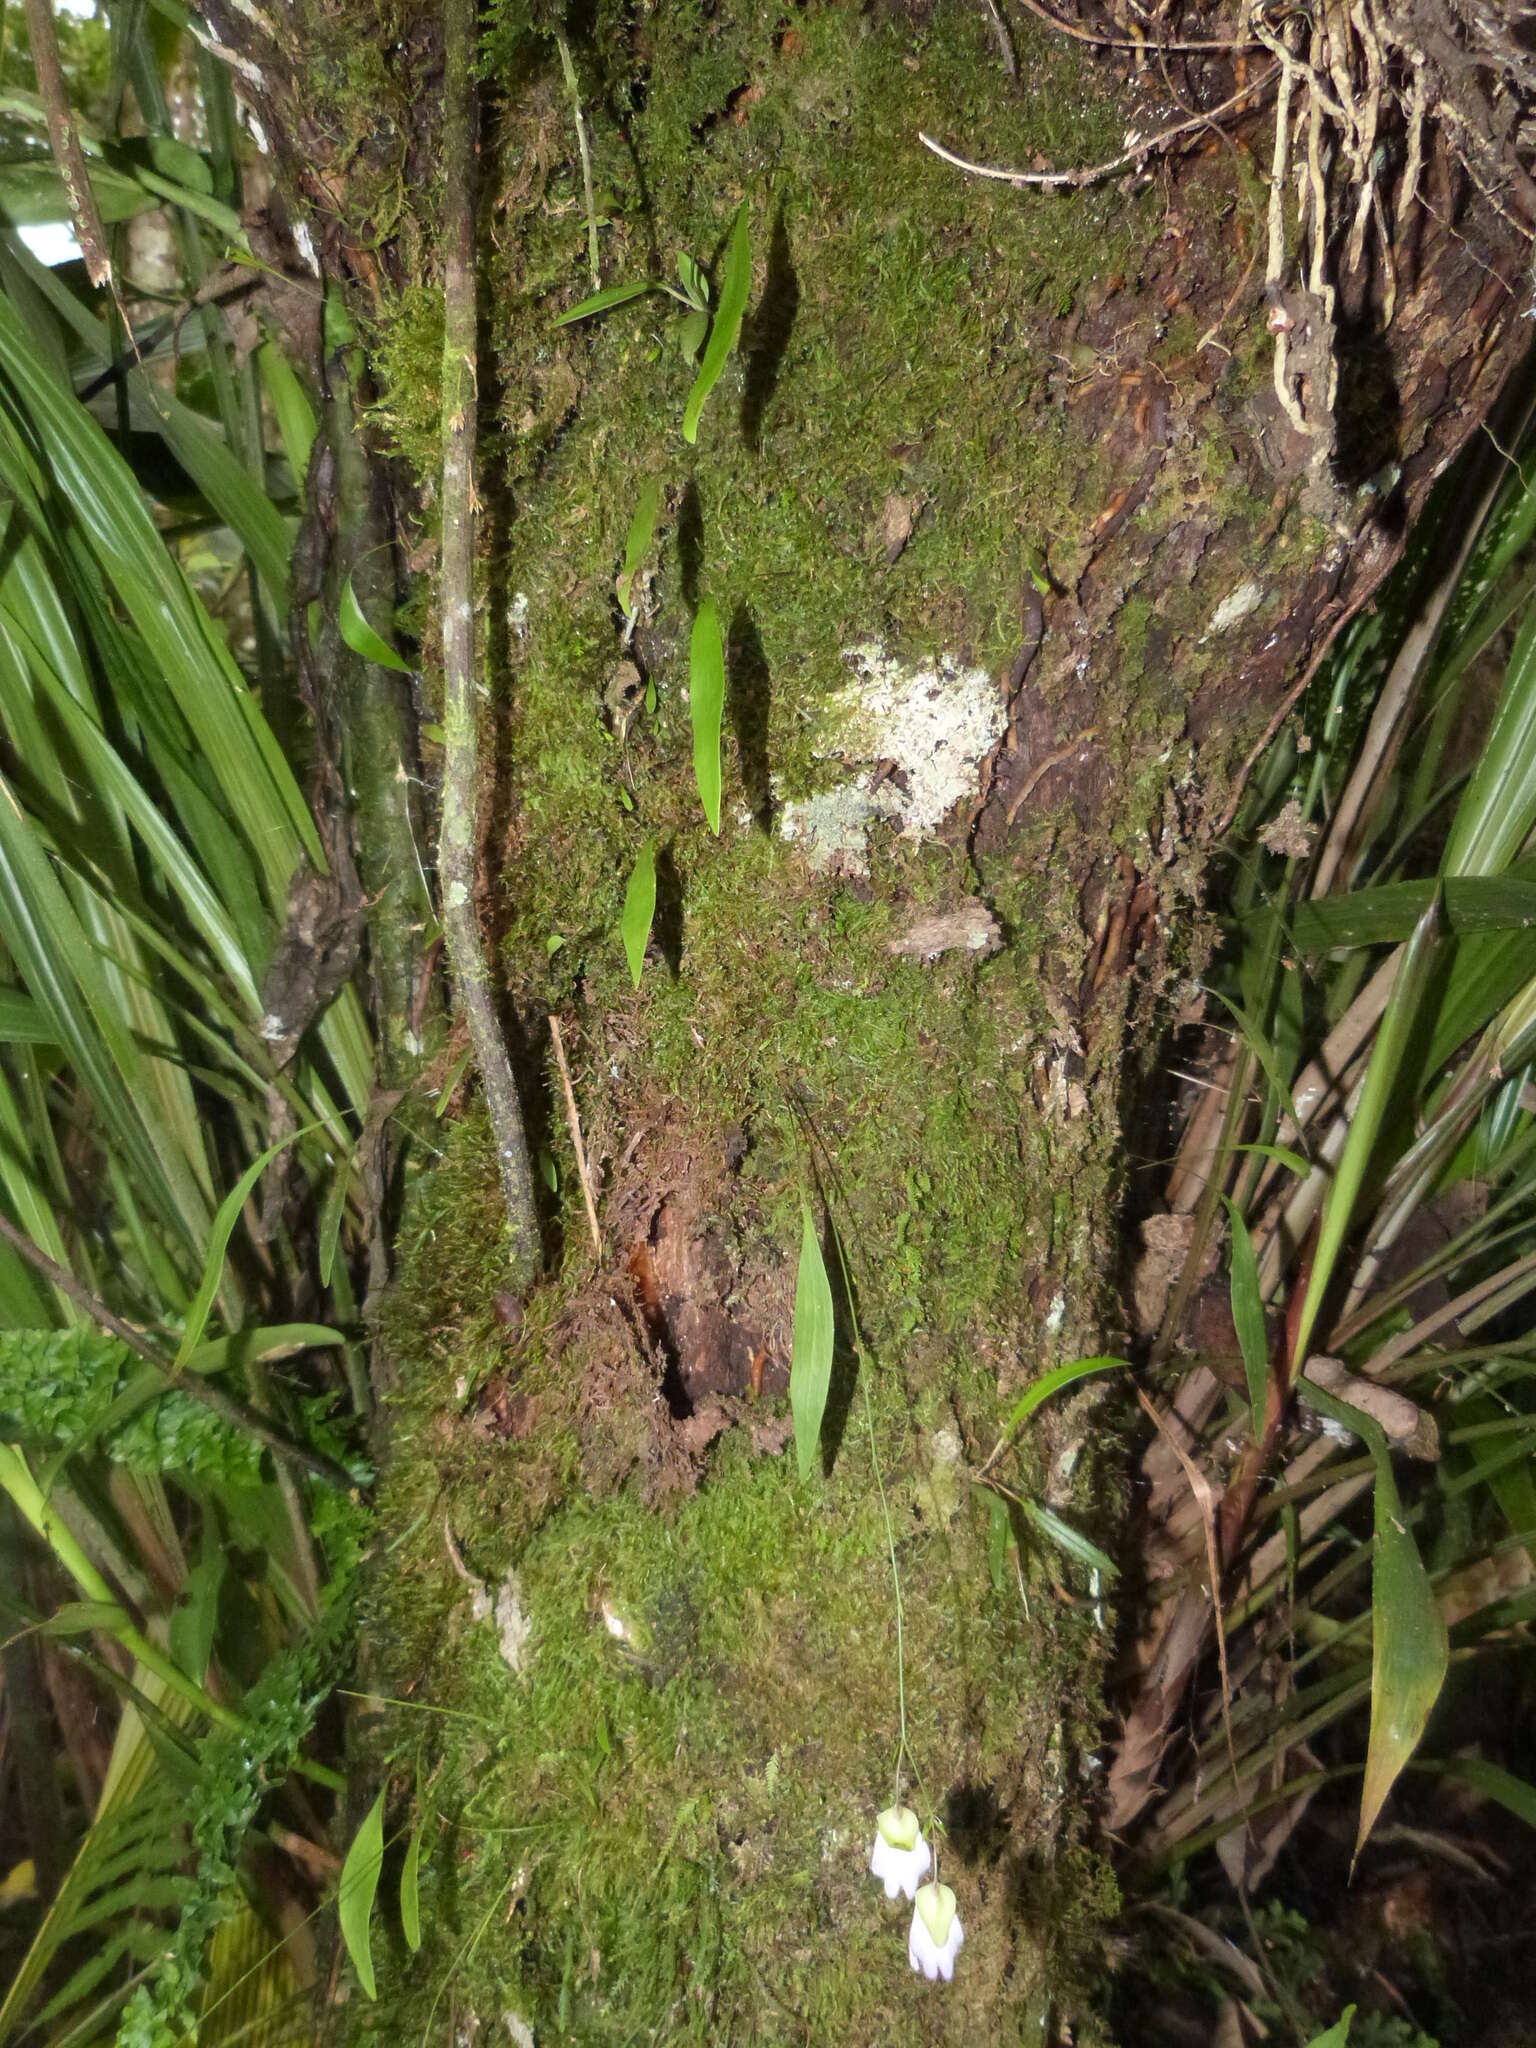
x=1248, y=1318
x=361, y=637
x=1053, y=1381
x=410, y=1889
x=600, y=302
x=810, y=1366
x=359, y=1886
x=218, y=1244
x=706, y=701
x=1066, y=1538
x=1410, y=1652
x=639, y=910
x=727, y=324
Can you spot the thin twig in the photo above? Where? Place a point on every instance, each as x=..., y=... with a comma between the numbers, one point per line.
x=1087, y=737
x=64, y=135
x=229, y=1410
x=575, y=1123
x=573, y=87
x=1200, y=1487
x=1147, y=47
x=461, y=750
x=1127, y=157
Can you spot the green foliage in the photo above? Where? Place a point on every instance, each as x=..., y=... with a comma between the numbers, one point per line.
x=361, y=637
x=810, y=1372
x=359, y=1887
x=706, y=705
x=1248, y=1318
x=726, y=328
x=639, y=911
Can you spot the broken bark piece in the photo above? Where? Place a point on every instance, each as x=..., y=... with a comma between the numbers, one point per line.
x=1408, y=1428
x=971, y=928
x=896, y=523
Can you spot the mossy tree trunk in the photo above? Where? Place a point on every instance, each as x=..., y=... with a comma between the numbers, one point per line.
x=919, y=974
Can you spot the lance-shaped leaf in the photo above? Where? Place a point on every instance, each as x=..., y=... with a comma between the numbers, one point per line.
x=639, y=910
x=727, y=324
x=359, y=1886
x=810, y=1366
x=1248, y=1317
x=361, y=637
x=637, y=546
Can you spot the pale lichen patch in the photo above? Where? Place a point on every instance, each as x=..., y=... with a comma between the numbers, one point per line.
x=920, y=732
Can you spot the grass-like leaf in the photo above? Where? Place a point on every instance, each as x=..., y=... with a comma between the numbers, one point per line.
x=218, y=1245
x=727, y=323
x=1072, y=1541
x=604, y=301
x=361, y=637
x=639, y=910
x=1053, y=1381
x=706, y=703
x=358, y=1889
x=410, y=1889
x=810, y=1367
x=1248, y=1317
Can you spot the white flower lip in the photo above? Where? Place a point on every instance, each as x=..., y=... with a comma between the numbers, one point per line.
x=936, y=1933
x=900, y=1857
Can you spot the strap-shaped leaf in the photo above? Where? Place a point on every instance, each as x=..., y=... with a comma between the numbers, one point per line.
x=706, y=703
x=639, y=911
x=358, y=1889
x=727, y=324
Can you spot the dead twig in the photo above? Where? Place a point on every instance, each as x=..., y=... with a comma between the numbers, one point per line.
x=1147, y=46
x=64, y=136
x=575, y=1127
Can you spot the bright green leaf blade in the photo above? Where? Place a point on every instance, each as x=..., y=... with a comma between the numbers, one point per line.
x=695, y=283
x=410, y=1889
x=359, y=1886
x=1248, y=1316
x=1498, y=807
x=637, y=545
x=706, y=703
x=810, y=1367
x=331, y=1217
x=1515, y=1795
x=1053, y=1381
x=218, y=1244
x=639, y=911
x=600, y=302
x=1410, y=1652
x=291, y=408
x=727, y=324
x=1392, y=1040
x=691, y=333
x=1066, y=1538
x=1337, y=2035
x=361, y=637
x=196, y=1615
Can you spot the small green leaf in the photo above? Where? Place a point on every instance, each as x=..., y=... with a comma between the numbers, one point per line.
x=1410, y=1652
x=452, y=1079
x=359, y=1886
x=549, y=1173
x=695, y=283
x=639, y=910
x=330, y=1217
x=637, y=546
x=650, y=696
x=1066, y=1538
x=706, y=701
x=361, y=637
x=1337, y=2035
x=82, y=1618
x=552, y=943
x=600, y=302
x=410, y=1889
x=1053, y=1381
x=810, y=1366
x=195, y=1618
x=727, y=323
x=690, y=335
x=625, y=798
x=218, y=1244
x=1248, y=1318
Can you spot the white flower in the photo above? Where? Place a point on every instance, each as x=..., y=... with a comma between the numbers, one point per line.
x=900, y=1857
x=936, y=1933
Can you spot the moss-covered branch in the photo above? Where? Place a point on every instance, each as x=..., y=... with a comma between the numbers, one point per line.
x=461, y=766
